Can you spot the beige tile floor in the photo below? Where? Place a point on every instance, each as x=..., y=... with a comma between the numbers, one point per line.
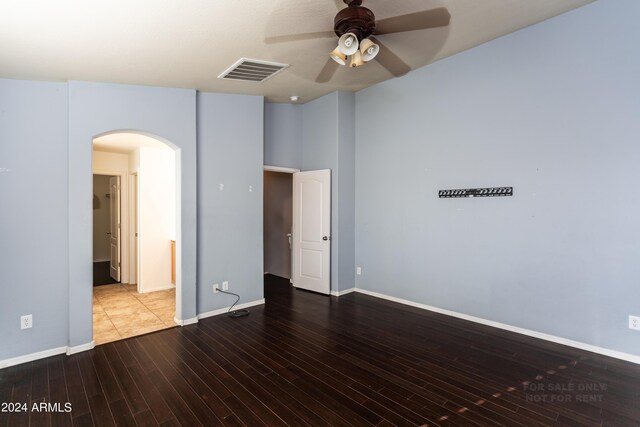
x=119, y=311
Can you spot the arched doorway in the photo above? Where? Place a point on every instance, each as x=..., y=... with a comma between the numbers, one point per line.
x=96, y=109
x=136, y=293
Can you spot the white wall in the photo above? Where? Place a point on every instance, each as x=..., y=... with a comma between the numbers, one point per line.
x=110, y=162
x=157, y=216
x=101, y=218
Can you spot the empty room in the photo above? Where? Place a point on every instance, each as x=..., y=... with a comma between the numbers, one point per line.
x=319, y=213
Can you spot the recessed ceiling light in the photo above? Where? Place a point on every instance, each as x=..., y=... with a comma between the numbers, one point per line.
x=294, y=98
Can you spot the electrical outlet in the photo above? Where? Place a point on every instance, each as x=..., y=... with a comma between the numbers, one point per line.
x=358, y=271
x=216, y=288
x=634, y=323
x=26, y=322
x=225, y=286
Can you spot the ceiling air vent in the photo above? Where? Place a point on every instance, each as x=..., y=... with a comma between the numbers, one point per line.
x=252, y=70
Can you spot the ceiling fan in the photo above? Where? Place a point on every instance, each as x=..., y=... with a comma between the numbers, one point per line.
x=355, y=25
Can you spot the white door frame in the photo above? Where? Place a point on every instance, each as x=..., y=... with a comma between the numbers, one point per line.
x=125, y=198
x=280, y=169
x=115, y=228
x=133, y=221
x=289, y=171
x=124, y=219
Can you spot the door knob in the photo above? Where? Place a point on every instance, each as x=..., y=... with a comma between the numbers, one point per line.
x=108, y=232
x=325, y=238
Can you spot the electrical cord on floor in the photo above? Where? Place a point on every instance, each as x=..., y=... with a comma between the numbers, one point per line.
x=236, y=313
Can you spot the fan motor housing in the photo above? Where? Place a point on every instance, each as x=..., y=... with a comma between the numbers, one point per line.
x=355, y=19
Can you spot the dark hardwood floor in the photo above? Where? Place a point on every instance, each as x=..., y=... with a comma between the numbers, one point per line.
x=311, y=360
x=102, y=274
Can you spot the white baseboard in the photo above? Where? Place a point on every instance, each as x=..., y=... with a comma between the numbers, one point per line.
x=186, y=321
x=558, y=340
x=226, y=309
x=340, y=293
x=80, y=348
x=31, y=357
x=46, y=353
x=162, y=288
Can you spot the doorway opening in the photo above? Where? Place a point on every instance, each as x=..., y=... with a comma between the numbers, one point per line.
x=106, y=217
x=140, y=209
x=278, y=223
x=297, y=207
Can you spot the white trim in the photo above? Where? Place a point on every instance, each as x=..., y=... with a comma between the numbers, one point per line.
x=280, y=169
x=46, y=353
x=163, y=288
x=185, y=322
x=80, y=348
x=31, y=357
x=340, y=293
x=558, y=340
x=226, y=309
x=124, y=217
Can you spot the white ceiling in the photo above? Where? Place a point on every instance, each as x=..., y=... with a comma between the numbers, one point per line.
x=188, y=43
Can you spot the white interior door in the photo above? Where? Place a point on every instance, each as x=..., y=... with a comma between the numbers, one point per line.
x=311, y=230
x=114, y=228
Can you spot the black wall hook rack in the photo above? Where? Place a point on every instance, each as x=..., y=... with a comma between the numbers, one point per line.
x=476, y=192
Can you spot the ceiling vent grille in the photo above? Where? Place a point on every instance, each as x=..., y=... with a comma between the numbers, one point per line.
x=252, y=70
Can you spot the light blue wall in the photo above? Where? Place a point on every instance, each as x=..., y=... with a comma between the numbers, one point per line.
x=230, y=152
x=346, y=189
x=321, y=135
x=33, y=218
x=283, y=135
x=95, y=108
x=552, y=110
x=328, y=131
x=46, y=137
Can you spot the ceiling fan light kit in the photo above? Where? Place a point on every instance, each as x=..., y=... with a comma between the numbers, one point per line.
x=356, y=60
x=355, y=25
x=359, y=52
x=348, y=44
x=369, y=50
x=338, y=56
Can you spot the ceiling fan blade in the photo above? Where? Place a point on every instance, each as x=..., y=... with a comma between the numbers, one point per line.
x=391, y=61
x=299, y=37
x=328, y=71
x=433, y=18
